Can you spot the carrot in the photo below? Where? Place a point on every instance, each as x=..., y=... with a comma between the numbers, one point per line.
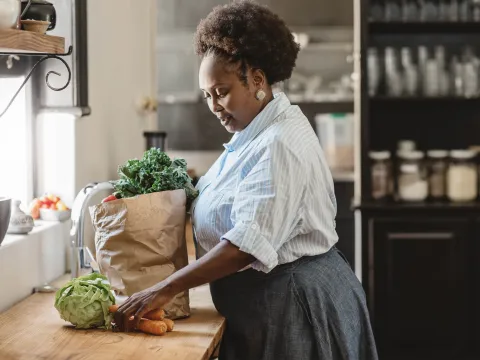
x=150, y=325
x=169, y=324
x=153, y=327
x=157, y=314
x=109, y=198
x=114, y=308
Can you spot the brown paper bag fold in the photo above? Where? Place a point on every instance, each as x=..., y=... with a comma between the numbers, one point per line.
x=140, y=241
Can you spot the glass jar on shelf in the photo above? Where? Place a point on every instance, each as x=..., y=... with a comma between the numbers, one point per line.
x=406, y=145
x=462, y=176
x=393, y=10
x=412, y=176
x=437, y=173
x=373, y=66
x=393, y=74
x=377, y=11
x=381, y=174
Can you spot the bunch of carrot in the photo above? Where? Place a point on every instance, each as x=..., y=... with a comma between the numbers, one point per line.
x=154, y=322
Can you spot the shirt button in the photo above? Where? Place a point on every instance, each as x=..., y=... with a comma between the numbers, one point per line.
x=254, y=226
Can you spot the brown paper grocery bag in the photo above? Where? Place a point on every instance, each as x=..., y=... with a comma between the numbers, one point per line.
x=140, y=241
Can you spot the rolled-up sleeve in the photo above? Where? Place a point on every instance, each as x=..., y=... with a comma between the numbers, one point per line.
x=267, y=205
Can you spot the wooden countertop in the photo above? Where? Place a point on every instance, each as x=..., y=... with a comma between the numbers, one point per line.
x=33, y=330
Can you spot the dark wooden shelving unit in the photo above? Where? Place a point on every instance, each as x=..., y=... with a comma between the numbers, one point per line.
x=447, y=100
x=415, y=28
x=419, y=260
x=414, y=206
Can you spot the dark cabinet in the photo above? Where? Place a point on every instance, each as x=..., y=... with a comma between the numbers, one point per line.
x=345, y=222
x=475, y=283
x=418, y=287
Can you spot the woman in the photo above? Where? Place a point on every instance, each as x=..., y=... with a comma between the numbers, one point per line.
x=265, y=219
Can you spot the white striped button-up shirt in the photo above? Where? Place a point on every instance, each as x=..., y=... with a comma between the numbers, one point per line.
x=270, y=193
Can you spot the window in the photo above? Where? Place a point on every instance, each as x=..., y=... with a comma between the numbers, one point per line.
x=16, y=170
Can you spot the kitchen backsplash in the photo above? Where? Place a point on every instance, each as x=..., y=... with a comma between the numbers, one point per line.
x=191, y=126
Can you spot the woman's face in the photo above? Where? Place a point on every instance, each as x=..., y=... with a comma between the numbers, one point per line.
x=232, y=101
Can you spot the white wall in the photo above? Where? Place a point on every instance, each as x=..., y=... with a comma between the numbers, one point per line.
x=121, y=71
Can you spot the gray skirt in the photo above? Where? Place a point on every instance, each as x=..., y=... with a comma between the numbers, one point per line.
x=311, y=309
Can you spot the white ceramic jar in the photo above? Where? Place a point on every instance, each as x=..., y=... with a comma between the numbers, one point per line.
x=462, y=176
x=20, y=223
x=412, y=176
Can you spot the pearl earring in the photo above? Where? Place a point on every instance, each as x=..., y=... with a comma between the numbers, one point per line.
x=260, y=95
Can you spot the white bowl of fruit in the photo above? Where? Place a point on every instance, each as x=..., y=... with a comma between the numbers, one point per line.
x=49, y=208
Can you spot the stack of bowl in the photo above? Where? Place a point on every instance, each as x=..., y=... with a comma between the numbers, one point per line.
x=5, y=208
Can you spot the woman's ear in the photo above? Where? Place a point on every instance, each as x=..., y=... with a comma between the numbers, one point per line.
x=259, y=78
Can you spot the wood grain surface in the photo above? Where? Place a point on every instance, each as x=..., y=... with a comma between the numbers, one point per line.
x=27, y=41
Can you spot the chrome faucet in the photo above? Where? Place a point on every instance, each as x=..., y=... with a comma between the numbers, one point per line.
x=78, y=261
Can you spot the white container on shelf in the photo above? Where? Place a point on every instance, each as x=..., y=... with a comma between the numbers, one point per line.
x=412, y=176
x=335, y=132
x=462, y=176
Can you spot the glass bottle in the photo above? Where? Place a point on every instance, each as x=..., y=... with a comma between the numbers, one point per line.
x=412, y=176
x=393, y=77
x=393, y=10
x=437, y=166
x=410, y=72
x=381, y=174
x=373, y=65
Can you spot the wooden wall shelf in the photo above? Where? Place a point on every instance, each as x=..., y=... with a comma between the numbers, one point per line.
x=20, y=41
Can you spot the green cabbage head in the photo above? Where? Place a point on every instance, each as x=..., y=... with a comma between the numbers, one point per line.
x=84, y=302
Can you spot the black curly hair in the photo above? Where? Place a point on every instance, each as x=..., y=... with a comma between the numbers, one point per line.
x=250, y=34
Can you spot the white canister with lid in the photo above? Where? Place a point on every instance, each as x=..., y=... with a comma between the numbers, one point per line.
x=462, y=176
x=412, y=176
x=335, y=132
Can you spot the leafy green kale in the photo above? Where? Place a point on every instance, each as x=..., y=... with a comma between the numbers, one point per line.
x=153, y=173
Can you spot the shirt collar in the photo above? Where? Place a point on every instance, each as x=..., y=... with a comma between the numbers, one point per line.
x=265, y=118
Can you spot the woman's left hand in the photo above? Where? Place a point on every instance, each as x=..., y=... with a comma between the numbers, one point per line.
x=128, y=315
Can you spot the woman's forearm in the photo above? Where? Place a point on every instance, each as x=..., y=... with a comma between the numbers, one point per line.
x=223, y=260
